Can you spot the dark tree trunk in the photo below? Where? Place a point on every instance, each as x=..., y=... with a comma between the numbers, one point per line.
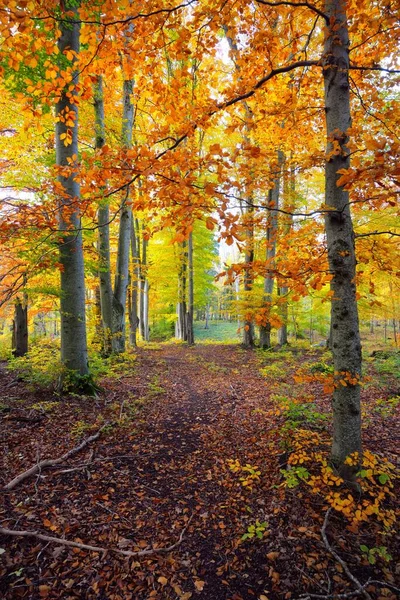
x=346, y=346
x=20, y=328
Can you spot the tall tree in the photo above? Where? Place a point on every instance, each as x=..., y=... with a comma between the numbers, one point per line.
x=72, y=303
x=103, y=216
x=124, y=236
x=346, y=345
x=271, y=238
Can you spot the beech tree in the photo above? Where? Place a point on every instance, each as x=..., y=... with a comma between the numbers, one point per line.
x=346, y=345
x=72, y=301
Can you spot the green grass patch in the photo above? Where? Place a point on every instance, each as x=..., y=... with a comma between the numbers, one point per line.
x=218, y=331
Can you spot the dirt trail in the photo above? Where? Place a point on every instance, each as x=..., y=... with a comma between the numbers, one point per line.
x=186, y=412
x=166, y=465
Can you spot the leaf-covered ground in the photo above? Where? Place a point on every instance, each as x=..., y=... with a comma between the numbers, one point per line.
x=166, y=471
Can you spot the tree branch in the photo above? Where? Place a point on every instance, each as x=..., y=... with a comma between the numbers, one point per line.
x=117, y=21
x=48, y=462
x=361, y=588
x=263, y=80
x=374, y=68
x=101, y=549
x=392, y=233
x=296, y=4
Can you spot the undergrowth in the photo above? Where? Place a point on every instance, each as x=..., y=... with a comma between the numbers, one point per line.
x=41, y=367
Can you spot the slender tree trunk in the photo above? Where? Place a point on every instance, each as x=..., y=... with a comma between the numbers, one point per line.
x=133, y=311
x=207, y=317
x=124, y=236
x=272, y=231
x=103, y=216
x=190, y=312
x=289, y=200
x=99, y=330
x=248, y=328
x=144, y=325
x=181, y=324
x=346, y=346
x=146, y=328
x=72, y=305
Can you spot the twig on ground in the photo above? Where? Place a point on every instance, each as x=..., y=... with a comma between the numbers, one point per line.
x=359, y=586
x=100, y=549
x=48, y=462
x=343, y=596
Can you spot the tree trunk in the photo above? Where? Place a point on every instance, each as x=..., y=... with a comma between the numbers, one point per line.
x=289, y=200
x=124, y=237
x=272, y=230
x=103, y=216
x=146, y=327
x=190, y=312
x=72, y=305
x=133, y=309
x=181, y=325
x=346, y=346
x=20, y=347
x=98, y=337
x=144, y=315
x=248, y=329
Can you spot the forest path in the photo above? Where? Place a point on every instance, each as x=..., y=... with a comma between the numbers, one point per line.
x=182, y=417
x=185, y=413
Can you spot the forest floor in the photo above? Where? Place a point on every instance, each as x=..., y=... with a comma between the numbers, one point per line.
x=165, y=473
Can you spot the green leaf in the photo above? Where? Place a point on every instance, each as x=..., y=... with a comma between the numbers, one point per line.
x=364, y=549
x=383, y=478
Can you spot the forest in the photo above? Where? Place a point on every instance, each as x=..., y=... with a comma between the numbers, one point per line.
x=199, y=299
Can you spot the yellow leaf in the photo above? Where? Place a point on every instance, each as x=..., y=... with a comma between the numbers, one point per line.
x=199, y=585
x=44, y=590
x=162, y=580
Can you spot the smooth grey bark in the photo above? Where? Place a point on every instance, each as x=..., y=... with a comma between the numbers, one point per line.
x=190, y=312
x=248, y=329
x=72, y=304
x=146, y=331
x=289, y=188
x=346, y=346
x=271, y=235
x=181, y=332
x=143, y=293
x=121, y=282
x=103, y=217
x=133, y=304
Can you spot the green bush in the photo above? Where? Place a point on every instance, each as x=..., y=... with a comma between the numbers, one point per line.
x=389, y=365
x=41, y=366
x=321, y=367
x=164, y=329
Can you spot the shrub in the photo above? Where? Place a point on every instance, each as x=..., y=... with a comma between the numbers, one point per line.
x=41, y=366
